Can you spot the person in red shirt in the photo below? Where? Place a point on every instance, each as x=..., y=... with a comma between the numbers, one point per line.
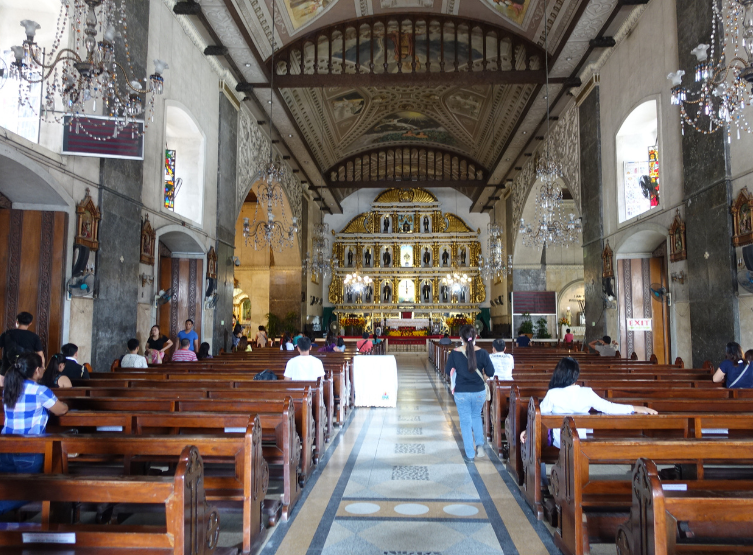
x=569, y=338
x=364, y=345
x=184, y=354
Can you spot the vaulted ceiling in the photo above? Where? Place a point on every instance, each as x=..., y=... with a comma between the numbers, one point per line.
x=391, y=81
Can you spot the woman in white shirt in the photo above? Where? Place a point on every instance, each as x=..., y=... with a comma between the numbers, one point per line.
x=286, y=344
x=566, y=397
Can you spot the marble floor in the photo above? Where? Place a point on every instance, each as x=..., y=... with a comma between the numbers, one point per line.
x=394, y=482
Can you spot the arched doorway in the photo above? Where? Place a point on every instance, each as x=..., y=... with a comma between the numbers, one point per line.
x=641, y=285
x=181, y=268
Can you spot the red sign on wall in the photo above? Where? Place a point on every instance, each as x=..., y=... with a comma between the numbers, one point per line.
x=95, y=136
x=535, y=302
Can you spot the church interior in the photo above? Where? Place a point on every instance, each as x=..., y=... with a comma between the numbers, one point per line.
x=379, y=179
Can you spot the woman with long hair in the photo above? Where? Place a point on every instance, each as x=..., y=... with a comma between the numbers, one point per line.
x=287, y=342
x=204, y=353
x=734, y=368
x=157, y=345
x=466, y=364
x=53, y=377
x=566, y=397
x=26, y=402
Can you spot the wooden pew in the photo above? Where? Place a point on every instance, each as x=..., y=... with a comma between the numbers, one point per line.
x=679, y=519
x=192, y=526
x=589, y=509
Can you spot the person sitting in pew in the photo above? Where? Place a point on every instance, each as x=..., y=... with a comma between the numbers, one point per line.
x=445, y=340
x=522, y=340
x=73, y=369
x=329, y=344
x=365, y=345
x=184, y=354
x=53, y=377
x=204, y=353
x=304, y=366
x=133, y=359
x=287, y=343
x=502, y=361
x=604, y=346
x=735, y=368
x=26, y=402
x=568, y=339
x=566, y=397
x=340, y=347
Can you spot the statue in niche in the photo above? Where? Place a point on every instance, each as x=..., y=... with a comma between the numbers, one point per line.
x=386, y=259
x=350, y=257
x=387, y=293
x=386, y=225
x=367, y=256
x=444, y=294
x=350, y=296
x=426, y=290
x=406, y=227
x=445, y=258
x=462, y=257
x=427, y=257
x=369, y=293
x=462, y=295
x=426, y=224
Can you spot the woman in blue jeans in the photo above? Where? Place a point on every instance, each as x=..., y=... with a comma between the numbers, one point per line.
x=469, y=363
x=26, y=403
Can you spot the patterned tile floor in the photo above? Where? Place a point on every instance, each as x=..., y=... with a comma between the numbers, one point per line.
x=394, y=482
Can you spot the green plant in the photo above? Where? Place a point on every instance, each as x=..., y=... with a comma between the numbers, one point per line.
x=526, y=328
x=273, y=325
x=276, y=326
x=290, y=323
x=541, y=329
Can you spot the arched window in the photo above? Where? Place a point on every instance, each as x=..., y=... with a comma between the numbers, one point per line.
x=638, y=162
x=183, y=174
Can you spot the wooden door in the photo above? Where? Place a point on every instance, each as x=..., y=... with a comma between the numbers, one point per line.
x=185, y=277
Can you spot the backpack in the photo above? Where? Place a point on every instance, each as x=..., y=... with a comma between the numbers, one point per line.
x=266, y=375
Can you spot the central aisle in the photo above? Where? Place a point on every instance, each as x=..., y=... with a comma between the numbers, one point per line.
x=394, y=482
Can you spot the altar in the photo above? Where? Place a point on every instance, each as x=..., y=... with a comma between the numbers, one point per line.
x=418, y=323
x=375, y=380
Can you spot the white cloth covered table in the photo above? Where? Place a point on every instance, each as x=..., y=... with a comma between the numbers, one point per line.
x=417, y=323
x=375, y=380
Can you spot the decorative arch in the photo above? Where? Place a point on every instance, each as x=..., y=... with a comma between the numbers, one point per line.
x=405, y=195
x=409, y=163
x=641, y=240
x=394, y=48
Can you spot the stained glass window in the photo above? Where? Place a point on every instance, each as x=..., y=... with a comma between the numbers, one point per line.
x=170, y=179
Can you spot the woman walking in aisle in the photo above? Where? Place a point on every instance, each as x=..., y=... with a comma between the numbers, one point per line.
x=466, y=364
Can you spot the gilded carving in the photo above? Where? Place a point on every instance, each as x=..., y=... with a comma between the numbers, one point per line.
x=455, y=224
x=405, y=195
x=677, y=247
x=357, y=225
x=742, y=219
x=87, y=229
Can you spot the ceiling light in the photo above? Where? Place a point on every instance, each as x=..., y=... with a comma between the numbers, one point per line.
x=524, y=132
x=249, y=65
x=290, y=136
x=569, y=59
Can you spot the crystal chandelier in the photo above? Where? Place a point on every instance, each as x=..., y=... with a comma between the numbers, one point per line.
x=317, y=262
x=271, y=233
x=356, y=283
x=549, y=226
x=723, y=91
x=494, y=266
x=87, y=77
x=456, y=281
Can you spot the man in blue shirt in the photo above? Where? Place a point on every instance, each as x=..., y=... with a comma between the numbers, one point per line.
x=191, y=335
x=522, y=340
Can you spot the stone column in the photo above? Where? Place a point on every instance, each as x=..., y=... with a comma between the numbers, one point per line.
x=714, y=317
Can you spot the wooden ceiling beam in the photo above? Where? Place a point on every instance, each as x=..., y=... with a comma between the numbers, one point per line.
x=458, y=78
x=407, y=184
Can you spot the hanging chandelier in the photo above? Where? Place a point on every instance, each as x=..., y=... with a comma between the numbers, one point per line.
x=317, y=263
x=723, y=89
x=356, y=283
x=87, y=77
x=456, y=281
x=550, y=226
x=494, y=265
x=271, y=233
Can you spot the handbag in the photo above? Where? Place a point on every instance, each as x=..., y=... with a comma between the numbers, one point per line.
x=486, y=385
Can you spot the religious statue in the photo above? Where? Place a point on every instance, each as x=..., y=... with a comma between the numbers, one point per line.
x=369, y=293
x=386, y=259
x=426, y=289
x=462, y=257
x=350, y=296
x=350, y=257
x=427, y=257
x=387, y=293
x=445, y=258
x=406, y=227
x=444, y=293
x=426, y=224
x=462, y=295
x=367, y=256
x=386, y=225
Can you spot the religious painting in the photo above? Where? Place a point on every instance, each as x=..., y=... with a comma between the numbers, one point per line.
x=742, y=229
x=212, y=264
x=87, y=229
x=406, y=3
x=405, y=223
x=406, y=256
x=406, y=291
x=345, y=106
x=302, y=12
x=607, y=259
x=402, y=127
x=148, y=241
x=246, y=311
x=465, y=104
x=514, y=10
x=677, y=247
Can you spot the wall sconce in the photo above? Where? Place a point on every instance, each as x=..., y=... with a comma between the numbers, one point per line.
x=678, y=276
x=146, y=279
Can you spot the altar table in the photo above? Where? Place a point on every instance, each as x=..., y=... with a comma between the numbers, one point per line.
x=375, y=380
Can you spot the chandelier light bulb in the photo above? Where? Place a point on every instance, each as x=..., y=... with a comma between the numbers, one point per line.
x=31, y=28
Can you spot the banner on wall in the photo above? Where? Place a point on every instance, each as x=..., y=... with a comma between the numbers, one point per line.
x=639, y=324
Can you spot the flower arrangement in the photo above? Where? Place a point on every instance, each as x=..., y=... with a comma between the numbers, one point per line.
x=357, y=322
x=457, y=321
x=564, y=321
x=401, y=332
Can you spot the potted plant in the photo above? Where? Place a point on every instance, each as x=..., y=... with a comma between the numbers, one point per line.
x=526, y=327
x=542, y=332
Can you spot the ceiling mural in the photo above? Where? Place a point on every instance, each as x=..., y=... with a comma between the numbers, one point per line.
x=405, y=127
